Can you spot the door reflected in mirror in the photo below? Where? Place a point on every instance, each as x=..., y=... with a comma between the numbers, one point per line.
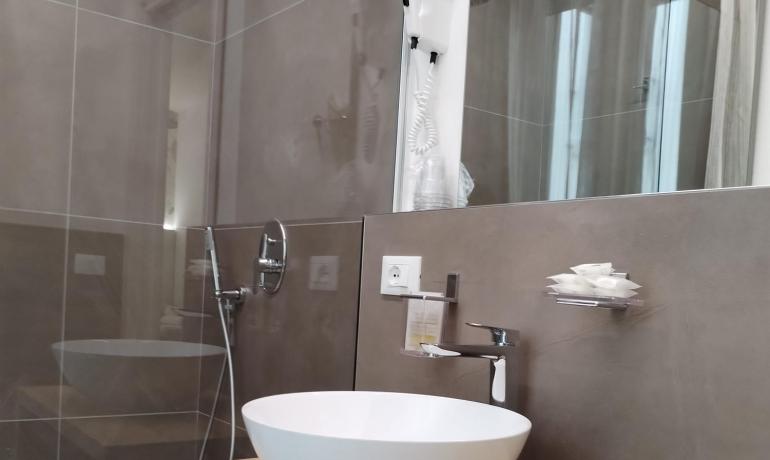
x=568, y=99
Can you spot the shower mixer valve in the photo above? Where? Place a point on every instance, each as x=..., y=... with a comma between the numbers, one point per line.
x=270, y=264
x=264, y=264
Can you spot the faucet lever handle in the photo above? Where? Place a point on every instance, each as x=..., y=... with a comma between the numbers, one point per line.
x=500, y=335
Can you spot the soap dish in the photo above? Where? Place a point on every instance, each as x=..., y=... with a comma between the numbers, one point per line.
x=595, y=301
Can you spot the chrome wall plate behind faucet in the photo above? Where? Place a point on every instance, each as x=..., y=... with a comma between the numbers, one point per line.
x=270, y=265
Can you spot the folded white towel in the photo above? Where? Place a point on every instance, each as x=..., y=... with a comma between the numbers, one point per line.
x=612, y=282
x=593, y=279
x=593, y=269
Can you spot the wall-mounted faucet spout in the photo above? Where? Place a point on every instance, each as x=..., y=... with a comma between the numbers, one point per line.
x=235, y=296
x=500, y=353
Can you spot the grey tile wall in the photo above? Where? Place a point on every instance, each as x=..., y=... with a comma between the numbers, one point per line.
x=503, y=156
x=36, y=48
x=215, y=125
x=151, y=437
x=610, y=154
x=83, y=202
x=622, y=34
x=29, y=440
x=35, y=103
x=301, y=339
x=308, y=125
x=692, y=144
x=32, y=250
x=130, y=82
x=702, y=37
x=509, y=45
x=134, y=299
x=682, y=377
x=201, y=19
x=218, y=445
x=242, y=14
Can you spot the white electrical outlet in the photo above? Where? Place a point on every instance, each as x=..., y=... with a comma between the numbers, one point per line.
x=400, y=275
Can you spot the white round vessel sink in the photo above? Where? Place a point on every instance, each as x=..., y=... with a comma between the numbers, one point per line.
x=136, y=375
x=381, y=426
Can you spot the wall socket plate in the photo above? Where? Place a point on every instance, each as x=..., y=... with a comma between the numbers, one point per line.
x=324, y=273
x=400, y=275
x=90, y=264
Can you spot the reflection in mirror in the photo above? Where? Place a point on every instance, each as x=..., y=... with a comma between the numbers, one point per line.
x=129, y=349
x=100, y=305
x=328, y=129
x=130, y=356
x=579, y=98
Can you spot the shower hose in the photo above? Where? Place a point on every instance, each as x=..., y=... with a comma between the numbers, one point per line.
x=225, y=309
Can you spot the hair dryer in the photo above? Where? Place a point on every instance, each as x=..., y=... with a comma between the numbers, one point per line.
x=430, y=22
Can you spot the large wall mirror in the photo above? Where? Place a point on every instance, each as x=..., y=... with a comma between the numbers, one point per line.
x=568, y=99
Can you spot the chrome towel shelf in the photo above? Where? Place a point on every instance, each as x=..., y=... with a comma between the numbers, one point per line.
x=592, y=301
x=452, y=288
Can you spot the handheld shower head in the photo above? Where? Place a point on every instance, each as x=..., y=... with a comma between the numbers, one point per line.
x=211, y=248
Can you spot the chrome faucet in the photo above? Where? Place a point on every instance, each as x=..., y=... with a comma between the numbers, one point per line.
x=500, y=353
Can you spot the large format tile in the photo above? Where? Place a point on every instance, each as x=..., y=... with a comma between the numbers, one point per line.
x=145, y=436
x=36, y=49
x=302, y=338
x=623, y=40
x=614, y=39
x=245, y=13
x=489, y=39
x=618, y=154
x=509, y=42
x=141, y=123
x=695, y=125
x=503, y=158
x=612, y=154
x=681, y=377
x=622, y=37
x=31, y=289
x=29, y=440
x=132, y=282
x=701, y=51
x=485, y=155
x=311, y=117
x=218, y=443
x=149, y=437
x=201, y=19
x=215, y=130
x=603, y=156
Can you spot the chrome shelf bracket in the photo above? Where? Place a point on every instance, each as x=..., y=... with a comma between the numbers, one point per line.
x=451, y=293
